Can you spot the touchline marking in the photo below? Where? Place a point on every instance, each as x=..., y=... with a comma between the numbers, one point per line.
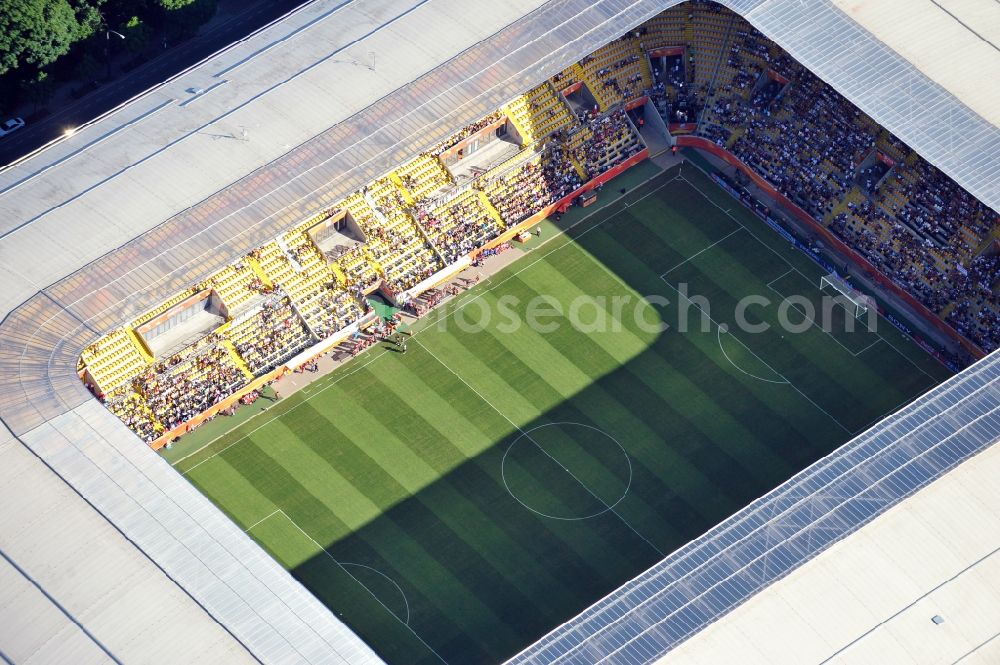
x=489, y=282
x=789, y=263
x=540, y=448
x=813, y=471
x=276, y=417
x=563, y=234
x=698, y=253
x=365, y=587
x=906, y=400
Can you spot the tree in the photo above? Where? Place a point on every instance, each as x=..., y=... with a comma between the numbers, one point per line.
x=88, y=67
x=39, y=89
x=137, y=34
x=183, y=17
x=35, y=32
x=120, y=12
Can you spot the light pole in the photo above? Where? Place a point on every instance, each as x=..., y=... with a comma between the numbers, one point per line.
x=107, y=47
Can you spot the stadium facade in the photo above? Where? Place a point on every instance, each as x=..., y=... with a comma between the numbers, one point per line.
x=189, y=571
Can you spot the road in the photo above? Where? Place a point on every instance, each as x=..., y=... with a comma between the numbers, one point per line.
x=235, y=21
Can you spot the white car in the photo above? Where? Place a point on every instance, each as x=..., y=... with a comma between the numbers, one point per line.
x=11, y=125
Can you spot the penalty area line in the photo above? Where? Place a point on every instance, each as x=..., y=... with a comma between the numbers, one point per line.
x=764, y=362
x=276, y=417
x=789, y=263
x=262, y=519
x=343, y=567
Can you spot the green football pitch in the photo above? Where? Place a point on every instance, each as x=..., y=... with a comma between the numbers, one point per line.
x=456, y=502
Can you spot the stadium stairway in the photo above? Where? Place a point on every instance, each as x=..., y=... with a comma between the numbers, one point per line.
x=238, y=359
x=398, y=182
x=140, y=344
x=339, y=273
x=488, y=205
x=582, y=172
x=259, y=271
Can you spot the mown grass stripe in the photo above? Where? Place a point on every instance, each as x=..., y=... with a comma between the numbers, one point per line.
x=411, y=427
x=282, y=489
x=337, y=587
x=709, y=345
x=798, y=356
x=529, y=377
x=232, y=492
x=408, y=451
x=437, y=563
x=581, y=351
x=473, y=429
x=351, y=459
x=579, y=555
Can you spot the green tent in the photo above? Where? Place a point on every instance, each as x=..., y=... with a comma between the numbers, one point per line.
x=383, y=310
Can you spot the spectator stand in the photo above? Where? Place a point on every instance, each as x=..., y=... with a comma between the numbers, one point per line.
x=617, y=72
x=460, y=226
x=268, y=333
x=184, y=323
x=187, y=383
x=792, y=134
x=481, y=150
x=671, y=92
x=834, y=241
x=538, y=113
x=873, y=171
x=921, y=229
x=113, y=360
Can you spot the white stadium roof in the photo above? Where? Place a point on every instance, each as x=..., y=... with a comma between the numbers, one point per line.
x=872, y=598
x=107, y=554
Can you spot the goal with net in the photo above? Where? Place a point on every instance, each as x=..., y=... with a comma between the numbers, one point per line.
x=852, y=299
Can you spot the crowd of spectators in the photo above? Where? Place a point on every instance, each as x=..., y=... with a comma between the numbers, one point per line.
x=466, y=132
x=612, y=141
x=336, y=309
x=274, y=333
x=625, y=86
x=526, y=189
x=906, y=217
x=131, y=409
x=184, y=385
x=389, y=201
x=403, y=253
x=870, y=176
x=459, y=227
x=976, y=312
x=360, y=274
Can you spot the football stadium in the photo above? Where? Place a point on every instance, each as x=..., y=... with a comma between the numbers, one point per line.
x=554, y=331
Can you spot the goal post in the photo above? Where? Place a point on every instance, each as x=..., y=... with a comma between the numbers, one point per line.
x=861, y=303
